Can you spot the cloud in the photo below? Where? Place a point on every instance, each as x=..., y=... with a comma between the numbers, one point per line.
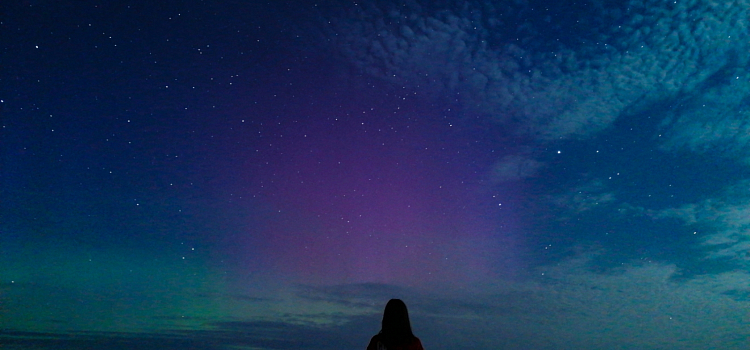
x=568, y=306
x=593, y=194
x=724, y=222
x=544, y=86
x=565, y=305
x=686, y=213
x=514, y=168
x=220, y=335
x=717, y=120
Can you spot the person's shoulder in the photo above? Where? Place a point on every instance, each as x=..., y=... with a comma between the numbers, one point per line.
x=375, y=337
x=373, y=342
x=416, y=344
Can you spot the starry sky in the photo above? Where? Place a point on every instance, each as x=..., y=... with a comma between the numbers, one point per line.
x=266, y=175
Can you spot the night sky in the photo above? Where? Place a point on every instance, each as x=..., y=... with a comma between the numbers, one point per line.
x=251, y=175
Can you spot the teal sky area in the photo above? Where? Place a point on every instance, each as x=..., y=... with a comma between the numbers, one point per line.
x=522, y=174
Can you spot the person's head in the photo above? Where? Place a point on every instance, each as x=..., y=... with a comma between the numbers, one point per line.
x=396, y=327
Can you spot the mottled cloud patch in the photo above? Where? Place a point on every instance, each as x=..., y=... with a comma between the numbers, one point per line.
x=475, y=53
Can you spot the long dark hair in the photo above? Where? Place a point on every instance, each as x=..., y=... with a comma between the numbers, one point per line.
x=396, y=328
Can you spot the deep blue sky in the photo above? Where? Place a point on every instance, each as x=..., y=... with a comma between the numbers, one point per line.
x=522, y=174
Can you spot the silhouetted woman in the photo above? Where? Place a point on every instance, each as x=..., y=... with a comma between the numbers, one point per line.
x=395, y=332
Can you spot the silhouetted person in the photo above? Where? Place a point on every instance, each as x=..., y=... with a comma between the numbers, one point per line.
x=395, y=332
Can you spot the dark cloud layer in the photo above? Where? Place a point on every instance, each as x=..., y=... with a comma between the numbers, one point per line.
x=250, y=335
x=568, y=308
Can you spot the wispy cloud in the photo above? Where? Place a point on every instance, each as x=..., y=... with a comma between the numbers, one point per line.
x=723, y=222
x=591, y=195
x=513, y=168
x=717, y=120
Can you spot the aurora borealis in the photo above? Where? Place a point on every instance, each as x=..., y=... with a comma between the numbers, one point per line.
x=251, y=175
